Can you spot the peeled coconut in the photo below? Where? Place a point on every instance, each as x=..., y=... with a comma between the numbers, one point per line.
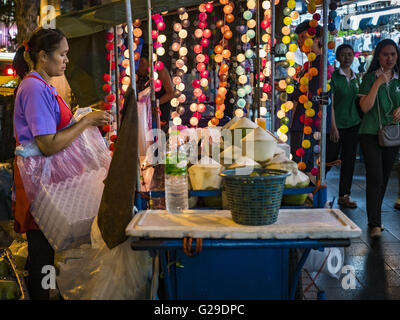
x=242, y=127
x=205, y=174
x=230, y=123
x=244, y=162
x=230, y=154
x=297, y=179
x=264, y=145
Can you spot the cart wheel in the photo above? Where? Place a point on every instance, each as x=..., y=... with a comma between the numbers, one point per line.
x=293, y=260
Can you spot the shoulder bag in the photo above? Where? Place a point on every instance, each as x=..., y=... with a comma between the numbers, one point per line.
x=388, y=135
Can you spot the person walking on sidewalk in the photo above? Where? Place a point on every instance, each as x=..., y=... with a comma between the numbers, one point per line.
x=380, y=88
x=344, y=138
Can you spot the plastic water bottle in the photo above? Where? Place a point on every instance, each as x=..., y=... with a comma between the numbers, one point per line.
x=176, y=178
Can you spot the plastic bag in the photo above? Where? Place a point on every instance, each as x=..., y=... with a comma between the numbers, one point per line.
x=330, y=261
x=98, y=273
x=65, y=189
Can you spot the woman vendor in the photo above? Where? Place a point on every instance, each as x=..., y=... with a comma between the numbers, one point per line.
x=40, y=114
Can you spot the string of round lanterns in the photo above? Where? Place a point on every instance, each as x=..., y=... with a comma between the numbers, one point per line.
x=288, y=46
x=179, y=64
x=222, y=56
x=202, y=59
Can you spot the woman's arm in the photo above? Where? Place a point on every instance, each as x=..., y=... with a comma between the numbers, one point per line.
x=167, y=83
x=367, y=102
x=50, y=144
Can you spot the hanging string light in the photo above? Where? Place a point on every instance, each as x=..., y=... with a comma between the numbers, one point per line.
x=179, y=47
x=222, y=58
x=287, y=47
x=202, y=59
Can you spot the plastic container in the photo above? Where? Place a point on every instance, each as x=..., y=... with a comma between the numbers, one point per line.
x=176, y=177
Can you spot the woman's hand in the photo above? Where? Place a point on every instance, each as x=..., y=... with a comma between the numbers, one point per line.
x=98, y=118
x=396, y=114
x=334, y=135
x=384, y=77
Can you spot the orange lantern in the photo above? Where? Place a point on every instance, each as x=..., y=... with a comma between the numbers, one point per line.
x=218, y=49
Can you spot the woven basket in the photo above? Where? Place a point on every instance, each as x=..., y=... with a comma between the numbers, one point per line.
x=254, y=199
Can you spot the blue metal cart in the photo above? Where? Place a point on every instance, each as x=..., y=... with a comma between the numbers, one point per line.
x=195, y=268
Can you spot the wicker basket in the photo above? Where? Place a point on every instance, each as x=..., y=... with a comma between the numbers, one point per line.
x=254, y=199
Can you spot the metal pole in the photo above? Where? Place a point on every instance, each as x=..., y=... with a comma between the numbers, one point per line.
x=133, y=69
x=130, y=40
x=323, y=91
x=116, y=76
x=256, y=106
x=273, y=19
x=151, y=62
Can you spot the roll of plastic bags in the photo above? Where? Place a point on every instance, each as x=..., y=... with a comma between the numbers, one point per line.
x=65, y=189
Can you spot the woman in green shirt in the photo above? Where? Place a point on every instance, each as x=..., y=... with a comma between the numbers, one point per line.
x=344, y=137
x=381, y=85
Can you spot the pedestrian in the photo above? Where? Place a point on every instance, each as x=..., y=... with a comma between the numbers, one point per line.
x=380, y=88
x=296, y=125
x=42, y=116
x=344, y=138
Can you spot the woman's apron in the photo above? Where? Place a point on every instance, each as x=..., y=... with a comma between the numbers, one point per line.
x=20, y=207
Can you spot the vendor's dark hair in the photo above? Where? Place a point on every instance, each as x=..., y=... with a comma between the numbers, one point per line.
x=305, y=25
x=375, y=60
x=41, y=39
x=342, y=47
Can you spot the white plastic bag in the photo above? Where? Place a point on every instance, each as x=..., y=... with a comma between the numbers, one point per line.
x=65, y=189
x=330, y=261
x=99, y=273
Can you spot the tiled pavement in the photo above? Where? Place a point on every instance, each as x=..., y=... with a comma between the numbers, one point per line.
x=376, y=262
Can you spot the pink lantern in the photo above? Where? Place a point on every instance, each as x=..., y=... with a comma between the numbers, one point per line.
x=161, y=26
x=198, y=48
x=196, y=83
x=157, y=84
x=159, y=65
x=154, y=34
x=157, y=45
x=197, y=115
x=206, y=58
x=202, y=16
x=204, y=42
x=204, y=74
x=209, y=7
x=176, y=80
x=201, y=67
x=203, y=24
x=207, y=33
x=202, y=97
x=265, y=24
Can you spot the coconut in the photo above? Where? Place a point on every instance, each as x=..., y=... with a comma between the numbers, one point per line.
x=230, y=154
x=205, y=174
x=244, y=162
x=264, y=145
x=230, y=123
x=243, y=127
x=297, y=179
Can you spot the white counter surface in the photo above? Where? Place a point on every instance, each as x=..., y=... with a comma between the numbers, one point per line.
x=218, y=224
